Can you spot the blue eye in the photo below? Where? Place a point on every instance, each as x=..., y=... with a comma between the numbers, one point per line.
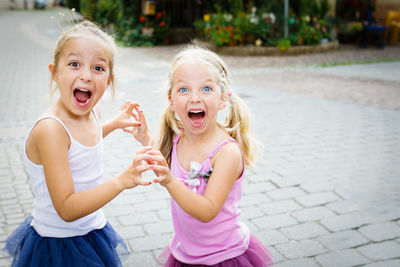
x=207, y=89
x=183, y=90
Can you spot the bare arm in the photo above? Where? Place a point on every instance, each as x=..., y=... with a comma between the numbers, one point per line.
x=227, y=168
x=51, y=143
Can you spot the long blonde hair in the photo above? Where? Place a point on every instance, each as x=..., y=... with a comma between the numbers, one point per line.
x=80, y=30
x=237, y=123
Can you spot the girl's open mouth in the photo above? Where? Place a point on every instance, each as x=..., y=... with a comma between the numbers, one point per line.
x=82, y=96
x=196, y=118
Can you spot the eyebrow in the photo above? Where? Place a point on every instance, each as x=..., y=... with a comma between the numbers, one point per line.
x=78, y=55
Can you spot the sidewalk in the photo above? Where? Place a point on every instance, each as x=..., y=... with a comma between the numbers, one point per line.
x=326, y=192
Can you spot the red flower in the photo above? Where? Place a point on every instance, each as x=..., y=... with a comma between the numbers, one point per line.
x=159, y=15
x=162, y=23
x=268, y=19
x=142, y=19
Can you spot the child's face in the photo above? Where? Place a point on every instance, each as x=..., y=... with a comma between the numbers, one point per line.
x=196, y=96
x=82, y=74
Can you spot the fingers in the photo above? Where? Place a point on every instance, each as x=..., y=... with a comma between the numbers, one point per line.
x=143, y=150
x=129, y=105
x=142, y=117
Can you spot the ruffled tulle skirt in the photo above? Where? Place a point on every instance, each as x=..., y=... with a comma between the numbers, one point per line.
x=102, y=247
x=257, y=255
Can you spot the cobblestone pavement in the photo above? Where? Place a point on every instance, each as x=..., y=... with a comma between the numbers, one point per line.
x=326, y=192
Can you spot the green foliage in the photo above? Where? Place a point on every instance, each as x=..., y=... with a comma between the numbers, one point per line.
x=73, y=4
x=125, y=18
x=283, y=44
x=225, y=29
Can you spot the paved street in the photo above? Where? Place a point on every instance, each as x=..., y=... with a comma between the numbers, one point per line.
x=325, y=193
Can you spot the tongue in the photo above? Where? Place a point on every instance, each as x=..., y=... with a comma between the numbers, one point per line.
x=197, y=118
x=81, y=96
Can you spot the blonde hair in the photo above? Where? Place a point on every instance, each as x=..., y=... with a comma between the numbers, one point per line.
x=237, y=123
x=83, y=29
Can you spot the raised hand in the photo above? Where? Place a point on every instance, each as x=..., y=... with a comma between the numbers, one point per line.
x=140, y=132
x=132, y=176
x=124, y=116
x=160, y=167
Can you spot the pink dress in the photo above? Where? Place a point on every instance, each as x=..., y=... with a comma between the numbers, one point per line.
x=225, y=240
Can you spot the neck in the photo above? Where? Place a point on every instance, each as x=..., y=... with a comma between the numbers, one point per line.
x=61, y=111
x=203, y=138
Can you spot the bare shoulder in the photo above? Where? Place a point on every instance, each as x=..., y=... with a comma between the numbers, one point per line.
x=229, y=157
x=49, y=129
x=47, y=135
x=230, y=151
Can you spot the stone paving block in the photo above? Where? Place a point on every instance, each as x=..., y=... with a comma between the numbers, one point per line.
x=381, y=231
x=149, y=243
x=304, y=231
x=298, y=263
x=274, y=221
x=271, y=237
x=343, y=240
x=253, y=199
x=258, y=188
x=300, y=249
x=5, y=262
x=252, y=227
x=285, y=193
x=343, y=258
x=152, y=205
x=250, y=212
x=165, y=214
x=312, y=214
x=347, y=221
x=141, y=259
x=282, y=182
x=316, y=199
x=138, y=218
x=276, y=256
x=131, y=232
x=381, y=251
x=385, y=213
x=126, y=198
x=257, y=178
x=390, y=263
x=118, y=210
x=277, y=207
x=163, y=227
x=347, y=206
x=317, y=186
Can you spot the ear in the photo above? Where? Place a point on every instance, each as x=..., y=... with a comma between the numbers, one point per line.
x=223, y=102
x=51, y=69
x=171, y=103
x=110, y=79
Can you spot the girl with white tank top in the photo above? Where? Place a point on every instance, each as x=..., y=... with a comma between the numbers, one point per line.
x=63, y=153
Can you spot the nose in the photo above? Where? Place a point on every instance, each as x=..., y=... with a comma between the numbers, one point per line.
x=195, y=96
x=85, y=74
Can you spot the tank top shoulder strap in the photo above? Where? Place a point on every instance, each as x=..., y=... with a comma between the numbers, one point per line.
x=98, y=123
x=176, y=138
x=220, y=145
x=54, y=118
x=48, y=117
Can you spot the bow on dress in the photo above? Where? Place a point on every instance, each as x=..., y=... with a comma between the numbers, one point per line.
x=195, y=173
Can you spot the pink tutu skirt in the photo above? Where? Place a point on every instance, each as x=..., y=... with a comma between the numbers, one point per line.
x=256, y=255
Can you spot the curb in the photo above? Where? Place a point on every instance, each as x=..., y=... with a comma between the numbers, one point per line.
x=270, y=51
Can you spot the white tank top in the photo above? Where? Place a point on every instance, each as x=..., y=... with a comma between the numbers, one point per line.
x=87, y=172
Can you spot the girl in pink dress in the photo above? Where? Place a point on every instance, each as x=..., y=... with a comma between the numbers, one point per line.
x=202, y=162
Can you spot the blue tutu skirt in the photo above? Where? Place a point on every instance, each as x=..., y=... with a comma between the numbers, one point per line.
x=102, y=247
